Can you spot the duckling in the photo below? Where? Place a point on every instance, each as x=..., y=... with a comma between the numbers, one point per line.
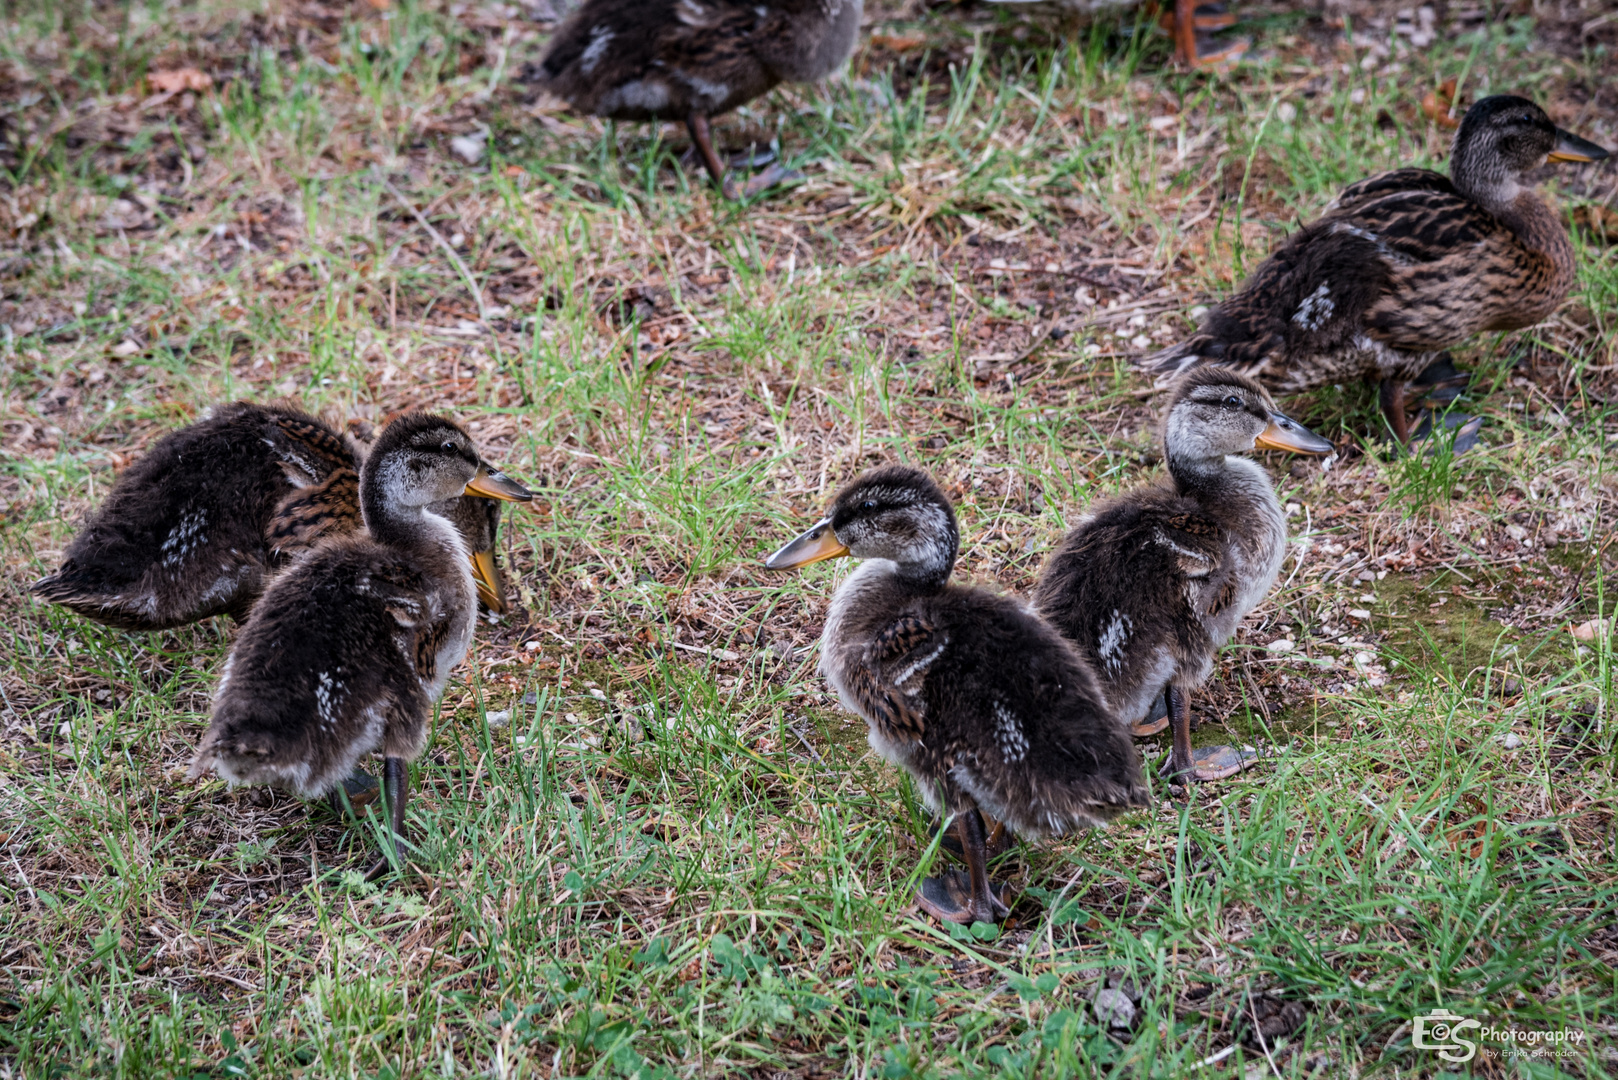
x=1151, y=584
x=349, y=647
x=690, y=60
x=1403, y=266
x=981, y=701
x=196, y=526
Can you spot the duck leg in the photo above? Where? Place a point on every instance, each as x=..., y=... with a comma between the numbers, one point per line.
x=969, y=897
x=1204, y=763
x=1392, y=394
x=998, y=843
x=702, y=135
x=396, y=777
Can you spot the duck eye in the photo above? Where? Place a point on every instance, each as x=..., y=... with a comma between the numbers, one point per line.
x=449, y=446
x=868, y=504
x=1234, y=401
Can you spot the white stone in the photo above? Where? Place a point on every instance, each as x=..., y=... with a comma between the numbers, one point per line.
x=1280, y=645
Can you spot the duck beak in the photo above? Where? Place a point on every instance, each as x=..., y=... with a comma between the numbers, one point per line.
x=491, y=483
x=1569, y=147
x=1285, y=433
x=813, y=546
x=491, y=586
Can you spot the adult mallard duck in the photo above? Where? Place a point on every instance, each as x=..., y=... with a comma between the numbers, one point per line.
x=982, y=702
x=349, y=648
x=1151, y=584
x=691, y=60
x=1403, y=266
x=198, y=524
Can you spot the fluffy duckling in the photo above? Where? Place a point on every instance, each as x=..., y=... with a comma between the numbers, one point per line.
x=690, y=60
x=349, y=648
x=1403, y=266
x=1151, y=584
x=197, y=525
x=982, y=702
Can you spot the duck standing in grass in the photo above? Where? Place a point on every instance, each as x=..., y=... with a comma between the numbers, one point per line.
x=198, y=525
x=1403, y=266
x=1151, y=584
x=349, y=648
x=982, y=702
x=691, y=60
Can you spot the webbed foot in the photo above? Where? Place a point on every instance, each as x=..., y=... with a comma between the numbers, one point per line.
x=949, y=898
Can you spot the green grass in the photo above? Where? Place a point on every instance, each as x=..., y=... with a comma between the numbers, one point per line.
x=674, y=855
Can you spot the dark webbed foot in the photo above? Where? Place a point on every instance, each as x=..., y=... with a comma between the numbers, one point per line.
x=949, y=897
x=1440, y=383
x=969, y=897
x=1205, y=762
x=1466, y=428
x=1211, y=763
x=1155, y=720
x=359, y=789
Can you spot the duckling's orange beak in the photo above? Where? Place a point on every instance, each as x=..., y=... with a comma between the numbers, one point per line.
x=816, y=545
x=1569, y=147
x=494, y=484
x=1285, y=433
x=491, y=585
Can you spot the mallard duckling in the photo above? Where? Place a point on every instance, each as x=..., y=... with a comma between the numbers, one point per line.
x=691, y=60
x=1151, y=584
x=982, y=702
x=1403, y=266
x=197, y=525
x=350, y=646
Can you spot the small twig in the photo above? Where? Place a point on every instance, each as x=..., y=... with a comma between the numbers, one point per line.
x=1214, y=1059
x=466, y=275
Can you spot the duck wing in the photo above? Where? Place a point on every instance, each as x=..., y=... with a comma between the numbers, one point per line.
x=887, y=679
x=662, y=59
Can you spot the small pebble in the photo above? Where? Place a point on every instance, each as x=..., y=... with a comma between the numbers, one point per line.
x=1359, y=613
x=1510, y=740
x=1363, y=660
x=498, y=719
x=1280, y=645
x=1114, y=1009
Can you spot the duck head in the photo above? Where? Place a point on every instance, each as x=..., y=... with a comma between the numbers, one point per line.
x=1501, y=138
x=1214, y=412
x=895, y=513
x=421, y=459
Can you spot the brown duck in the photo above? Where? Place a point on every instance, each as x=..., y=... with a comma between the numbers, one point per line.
x=350, y=646
x=1151, y=584
x=1403, y=266
x=981, y=701
x=197, y=525
x=690, y=60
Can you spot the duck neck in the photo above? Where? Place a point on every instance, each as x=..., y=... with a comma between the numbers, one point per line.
x=1215, y=480
x=399, y=525
x=1516, y=205
x=923, y=578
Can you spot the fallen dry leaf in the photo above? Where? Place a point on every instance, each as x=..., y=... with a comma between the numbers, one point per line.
x=172, y=82
x=1438, y=105
x=1589, y=631
x=899, y=43
x=1601, y=221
